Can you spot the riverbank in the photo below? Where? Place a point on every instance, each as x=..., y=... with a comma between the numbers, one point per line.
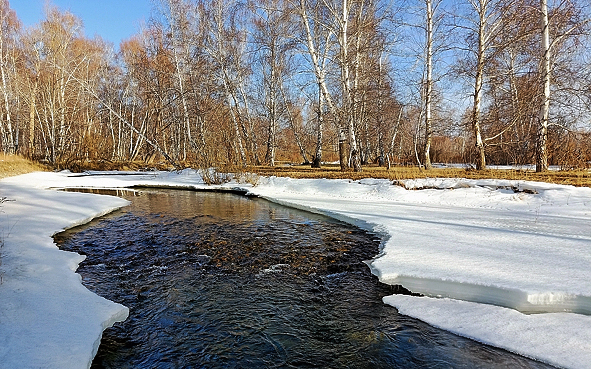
x=522, y=246
x=12, y=165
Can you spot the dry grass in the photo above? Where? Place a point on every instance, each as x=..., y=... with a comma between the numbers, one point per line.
x=575, y=177
x=13, y=165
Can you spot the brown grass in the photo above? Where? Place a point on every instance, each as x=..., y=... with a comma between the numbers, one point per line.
x=575, y=177
x=13, y=165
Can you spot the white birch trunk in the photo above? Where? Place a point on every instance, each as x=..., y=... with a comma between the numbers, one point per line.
x=317, y=161
x=478, y=83
x=32, y=110
x=545, y=74
x=8, y=136
x=319, y=70
x=428, y=85
x=348, y=108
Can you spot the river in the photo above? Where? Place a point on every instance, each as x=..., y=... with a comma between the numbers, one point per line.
x=218, y=280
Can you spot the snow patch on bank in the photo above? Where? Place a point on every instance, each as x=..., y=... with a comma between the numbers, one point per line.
x=560, y=339
x=47, y=318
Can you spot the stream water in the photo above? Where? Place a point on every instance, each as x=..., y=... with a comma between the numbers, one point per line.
x=223, y=281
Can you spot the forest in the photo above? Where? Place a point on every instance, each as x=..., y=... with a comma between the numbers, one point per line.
x=212, y=83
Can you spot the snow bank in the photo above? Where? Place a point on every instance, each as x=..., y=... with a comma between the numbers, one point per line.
x=559, y=339
x=47, y=318
x=505, y=248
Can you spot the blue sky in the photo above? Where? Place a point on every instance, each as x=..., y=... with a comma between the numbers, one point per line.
x=113, y=20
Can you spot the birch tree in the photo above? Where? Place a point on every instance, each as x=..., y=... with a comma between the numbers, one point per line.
x=338, y=28
x=175, y=12
x=545, y=75
x=565, y=22
x=9, y=26
x=58, y=59
x=273, y=40
x=224, y=45
x=485, y=27
x=428, y=84
x=349, y=104
x=319, y=44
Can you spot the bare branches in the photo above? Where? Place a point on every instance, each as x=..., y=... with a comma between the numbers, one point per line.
x=209, y=83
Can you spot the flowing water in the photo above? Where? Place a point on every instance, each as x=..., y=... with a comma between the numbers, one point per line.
x=223, y=281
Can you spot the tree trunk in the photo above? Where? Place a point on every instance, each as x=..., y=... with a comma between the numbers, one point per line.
x=272, y=107
x=476, y=114
x=428, y=87
x=541, y=149
x=320, y=73
x=343, y=150
x=32, y=110
x=317, y=161
x=348, y=113
x=8, y=141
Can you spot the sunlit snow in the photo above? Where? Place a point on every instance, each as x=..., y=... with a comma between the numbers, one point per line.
x=485, y=253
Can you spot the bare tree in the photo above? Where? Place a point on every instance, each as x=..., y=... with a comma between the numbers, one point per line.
x=485, y=27
x=224, y=48
x=428, y=87
x=273, y=30
x=9, y=25
x=565, y=25
x=336, y=18
x=349, y=106
x=319, y=44
x=545, y=75
x=175, y=12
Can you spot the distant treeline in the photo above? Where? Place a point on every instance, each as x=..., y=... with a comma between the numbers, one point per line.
x=229, y=82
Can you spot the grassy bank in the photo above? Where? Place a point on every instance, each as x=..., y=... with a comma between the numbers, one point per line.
x=12, y=165
x=574, y=177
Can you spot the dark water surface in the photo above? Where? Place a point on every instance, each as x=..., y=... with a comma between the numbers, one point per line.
x=222, y=281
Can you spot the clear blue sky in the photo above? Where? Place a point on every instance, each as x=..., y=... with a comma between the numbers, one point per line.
x=113, y=20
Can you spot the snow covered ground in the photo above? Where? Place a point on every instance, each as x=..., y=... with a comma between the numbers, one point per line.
x=47, y=318
x=486, y=253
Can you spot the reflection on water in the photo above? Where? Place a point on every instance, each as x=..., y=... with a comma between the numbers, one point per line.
x=222, y=281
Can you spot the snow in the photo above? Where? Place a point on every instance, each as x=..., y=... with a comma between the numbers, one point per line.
x=47, y=318
x=485, y=253
x=561, y=339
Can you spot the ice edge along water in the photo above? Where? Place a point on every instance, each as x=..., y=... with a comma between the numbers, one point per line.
x=561, y=339
x=528, y=303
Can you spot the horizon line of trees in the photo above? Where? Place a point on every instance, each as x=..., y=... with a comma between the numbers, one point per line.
x=252, y=82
